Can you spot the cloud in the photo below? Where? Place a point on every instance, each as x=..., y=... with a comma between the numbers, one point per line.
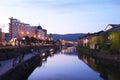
x=56, y=3
x=52, y=3
x=69, y=3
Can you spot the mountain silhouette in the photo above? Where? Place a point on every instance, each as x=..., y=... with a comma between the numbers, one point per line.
x=69, y=37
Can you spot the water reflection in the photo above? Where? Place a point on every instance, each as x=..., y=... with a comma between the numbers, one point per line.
x=107, y=72
x=64, y=65
x=69, y=51
x=68, y=65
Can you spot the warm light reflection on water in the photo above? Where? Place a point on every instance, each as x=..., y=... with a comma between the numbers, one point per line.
x=64, y=65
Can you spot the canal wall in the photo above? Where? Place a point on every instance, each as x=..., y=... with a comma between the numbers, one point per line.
x=102, y=56
x=11, y=52
x=22, y=70
x=19, y=71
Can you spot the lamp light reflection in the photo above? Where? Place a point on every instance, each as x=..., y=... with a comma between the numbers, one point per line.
x=43, y=54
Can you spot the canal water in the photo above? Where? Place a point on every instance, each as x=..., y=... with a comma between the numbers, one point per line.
x=69, y=65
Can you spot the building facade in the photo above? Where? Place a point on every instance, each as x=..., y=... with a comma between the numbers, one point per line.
x=18, y=29
x=14, y=27
x=109, y=39
x=0, y=35
x=41, y=33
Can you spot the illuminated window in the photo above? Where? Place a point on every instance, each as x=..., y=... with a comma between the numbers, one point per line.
x=27, y=32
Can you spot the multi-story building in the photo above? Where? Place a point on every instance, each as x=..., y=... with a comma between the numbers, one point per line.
x=35, y=31
x=19, y=30
x=0, y=35
x=30, y=31
x=41, y=33
x=14, y=27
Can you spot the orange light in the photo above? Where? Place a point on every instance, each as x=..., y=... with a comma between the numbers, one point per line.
x=22, y=32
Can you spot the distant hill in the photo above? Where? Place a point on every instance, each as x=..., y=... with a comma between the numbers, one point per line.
x=69, y=37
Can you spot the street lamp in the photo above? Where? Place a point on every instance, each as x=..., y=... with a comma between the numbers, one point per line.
x=23, y=38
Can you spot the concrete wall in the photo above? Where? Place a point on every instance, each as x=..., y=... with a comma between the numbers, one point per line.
x=22, y=70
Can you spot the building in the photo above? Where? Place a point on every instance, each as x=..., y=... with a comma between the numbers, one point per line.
x=50, y=37
x=7, y=36
x=18, y=29
x=84, y=40
x=21, y=30
x=109, y=39
x=41, y=33
x=2, y=38
x=0, y=35
x=111, y=26
x=30, y=31
x=13, y=27
x=94, y=42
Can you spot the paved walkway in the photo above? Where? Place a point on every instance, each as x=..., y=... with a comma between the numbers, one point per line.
x=8, y=64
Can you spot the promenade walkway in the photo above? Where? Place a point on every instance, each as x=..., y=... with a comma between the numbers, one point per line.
x=8, y=64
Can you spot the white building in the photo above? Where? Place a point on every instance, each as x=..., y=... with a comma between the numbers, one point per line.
x=19, y=30
x=41, y=33
x=14, y=27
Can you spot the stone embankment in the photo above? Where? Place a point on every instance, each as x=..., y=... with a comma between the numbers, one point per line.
x=11, y=52
x=20, y=71
x=103, y=56
x=31, y=59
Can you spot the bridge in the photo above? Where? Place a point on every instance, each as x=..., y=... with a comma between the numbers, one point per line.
x=68, y=43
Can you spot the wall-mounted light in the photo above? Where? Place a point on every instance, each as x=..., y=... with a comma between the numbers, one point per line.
x=110, y=37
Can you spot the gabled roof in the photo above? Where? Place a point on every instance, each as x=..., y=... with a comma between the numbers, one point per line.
x=112, y=27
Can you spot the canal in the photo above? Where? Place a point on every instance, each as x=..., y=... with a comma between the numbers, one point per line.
x=67, y=64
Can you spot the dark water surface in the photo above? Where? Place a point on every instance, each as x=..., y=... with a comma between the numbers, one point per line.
x=68, y=65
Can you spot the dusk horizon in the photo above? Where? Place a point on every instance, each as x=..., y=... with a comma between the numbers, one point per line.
x=62, y=16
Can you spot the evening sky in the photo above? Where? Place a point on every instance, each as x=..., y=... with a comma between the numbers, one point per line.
x=62, y=16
